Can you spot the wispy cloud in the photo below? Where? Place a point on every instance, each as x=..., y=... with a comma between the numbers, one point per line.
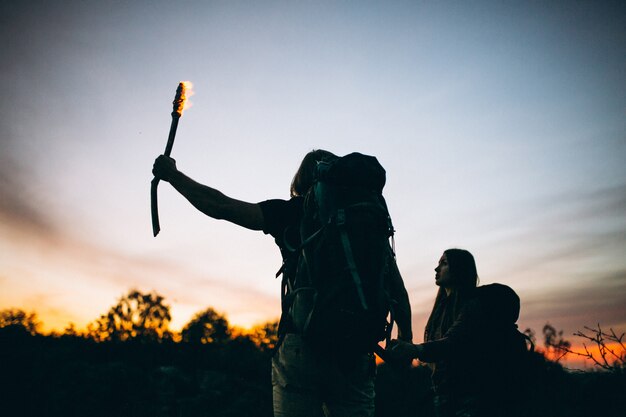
x=601, y=299
x=67, y=280
x=572, y=272
x=18, y=201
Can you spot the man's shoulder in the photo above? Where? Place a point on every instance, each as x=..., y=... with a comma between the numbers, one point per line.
x=279, y=214
x=280, y=204
x=282, y=208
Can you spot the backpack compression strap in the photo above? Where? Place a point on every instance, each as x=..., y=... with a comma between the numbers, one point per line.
x=347, y=248
x=345, y=241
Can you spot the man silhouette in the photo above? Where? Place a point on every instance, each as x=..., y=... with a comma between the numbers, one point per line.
x=305, y=381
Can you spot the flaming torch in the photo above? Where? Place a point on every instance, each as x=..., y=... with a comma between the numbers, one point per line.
x=182, y=92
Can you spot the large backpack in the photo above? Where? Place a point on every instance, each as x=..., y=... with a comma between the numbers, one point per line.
x=502, y=305
x=335, y=283
x=507, y=365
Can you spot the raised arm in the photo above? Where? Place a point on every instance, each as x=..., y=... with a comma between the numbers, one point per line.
x=208, y=200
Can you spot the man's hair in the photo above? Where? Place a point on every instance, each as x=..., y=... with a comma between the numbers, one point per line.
x=303, y=180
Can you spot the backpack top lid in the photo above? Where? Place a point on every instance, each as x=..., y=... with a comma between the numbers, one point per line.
x=500, y=301
x=353, y=170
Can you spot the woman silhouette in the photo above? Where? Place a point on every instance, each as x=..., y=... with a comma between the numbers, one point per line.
x=471, y=341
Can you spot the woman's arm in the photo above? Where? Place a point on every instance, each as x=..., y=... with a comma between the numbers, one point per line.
x=208, y=200
x=459, y=337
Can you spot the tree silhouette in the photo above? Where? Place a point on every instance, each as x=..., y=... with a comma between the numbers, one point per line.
x=556, y=346
x=611, y=355
x=265, y=335
x=532, y=336
x=18, y=318
x=138, y=316
x=71, y=330
x=207, y=327
x=98, y=330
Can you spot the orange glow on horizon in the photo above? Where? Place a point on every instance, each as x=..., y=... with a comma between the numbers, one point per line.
x=579, y=359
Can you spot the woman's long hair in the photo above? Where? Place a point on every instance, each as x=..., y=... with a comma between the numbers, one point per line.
x=464, y=276
x=303, y=180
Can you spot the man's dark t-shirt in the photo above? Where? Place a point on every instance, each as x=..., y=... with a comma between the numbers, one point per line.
x=281, y=220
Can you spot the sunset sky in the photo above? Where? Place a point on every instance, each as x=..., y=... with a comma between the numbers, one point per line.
x=502, y=127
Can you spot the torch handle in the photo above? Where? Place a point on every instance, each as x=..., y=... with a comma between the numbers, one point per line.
x=172, y=135
x=154, y=205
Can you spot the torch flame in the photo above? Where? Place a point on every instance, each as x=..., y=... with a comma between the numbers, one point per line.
x=181, y=101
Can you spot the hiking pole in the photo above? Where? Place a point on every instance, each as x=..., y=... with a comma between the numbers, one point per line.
x=179, y=105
